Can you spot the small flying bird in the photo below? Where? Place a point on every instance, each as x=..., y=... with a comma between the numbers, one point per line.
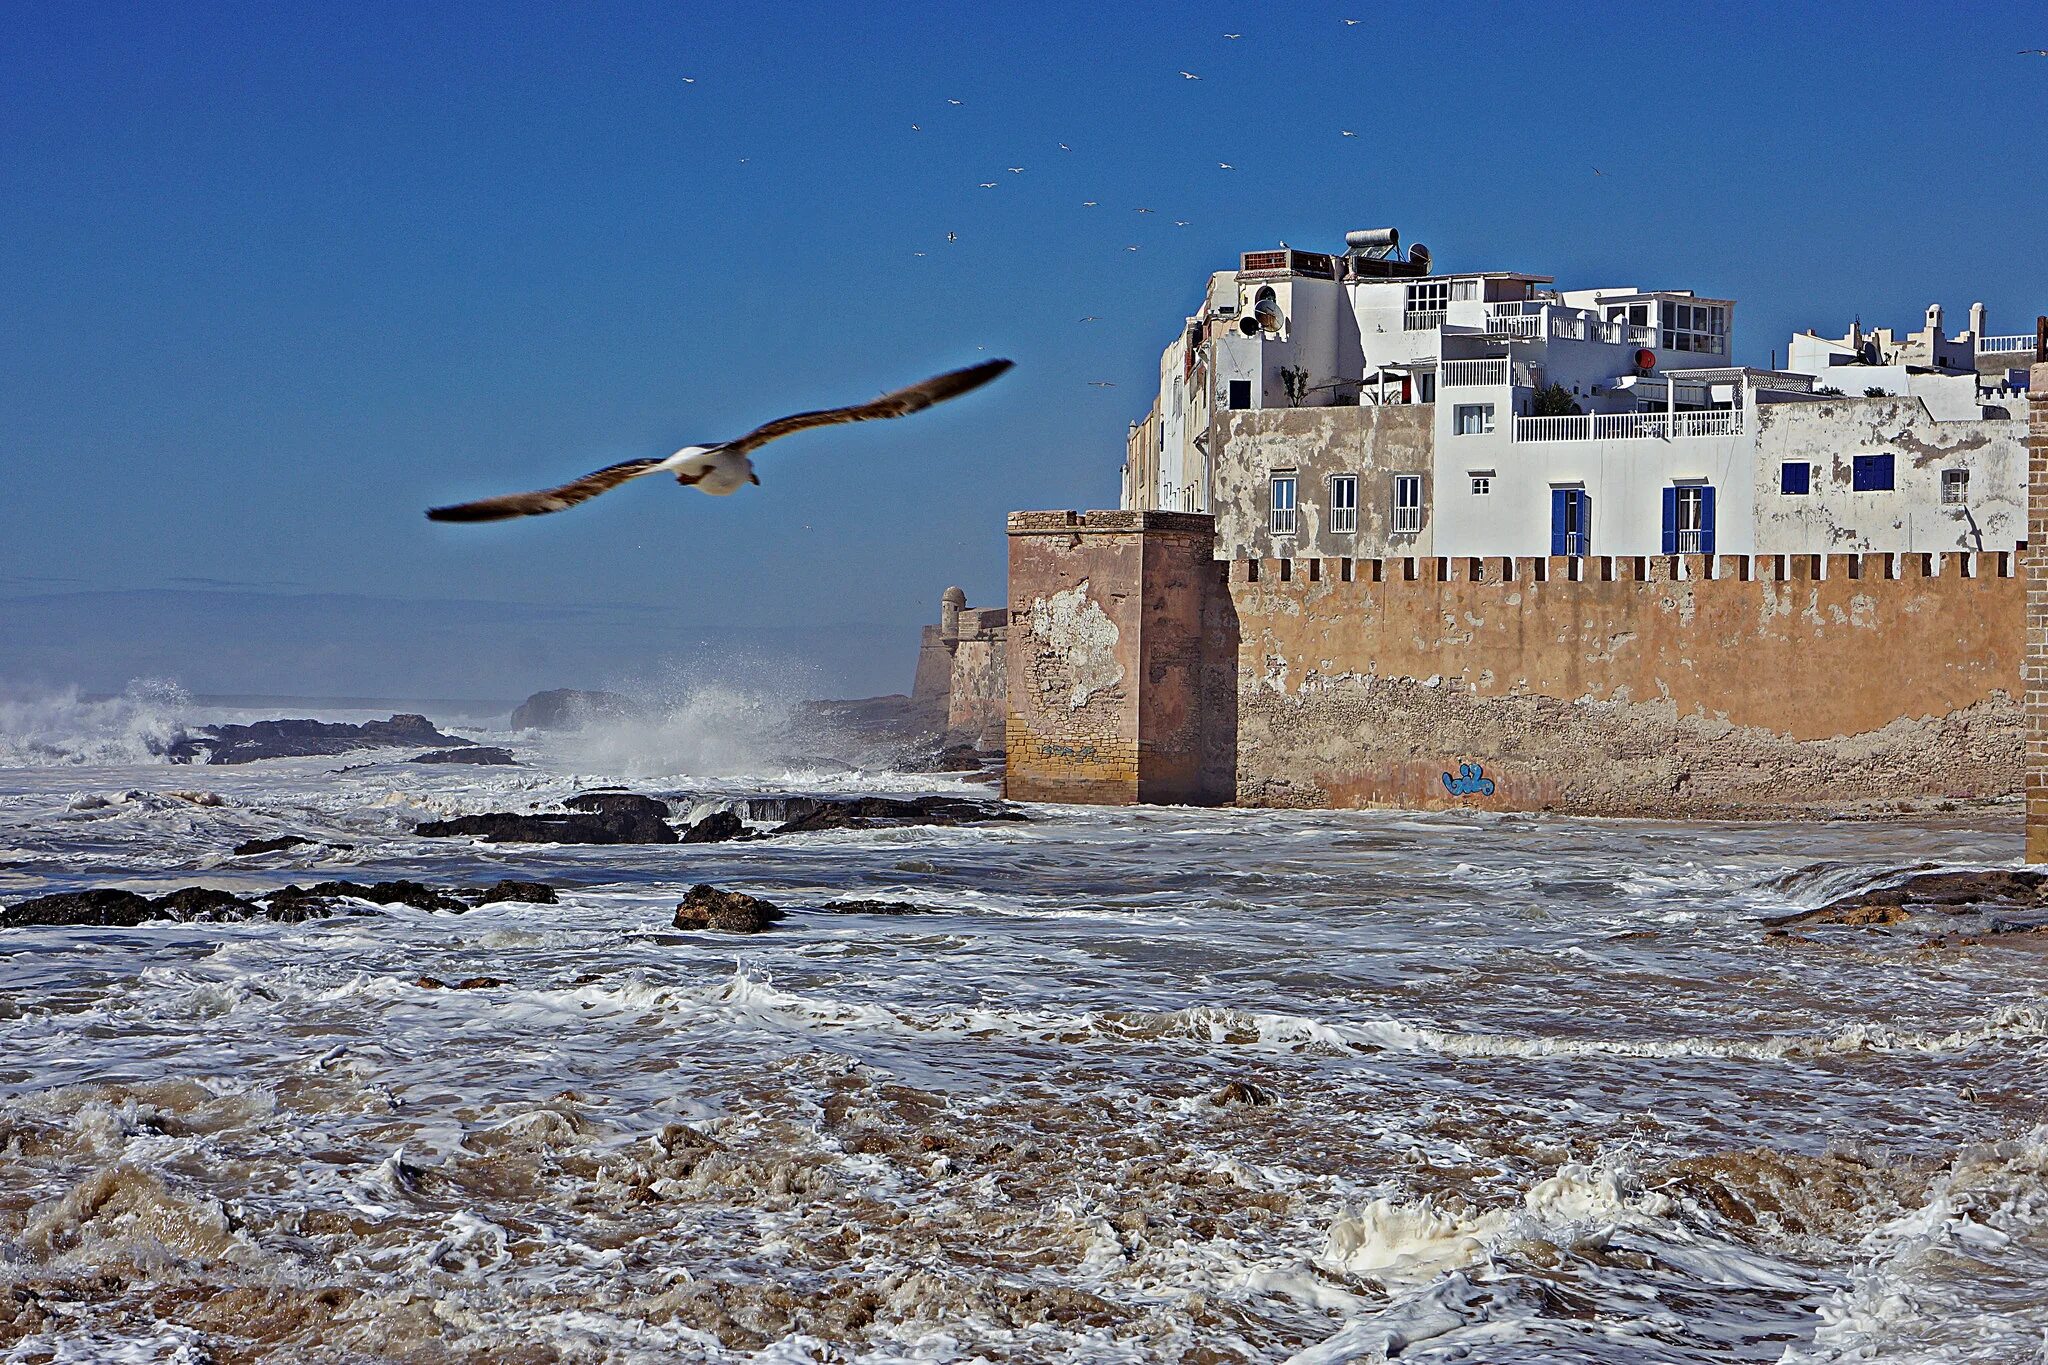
x=1065, y=148
x=1347, y=132
x=956, y=103
x=1225, y=165
x=2034, y=52
x=1014, y=170
x=1233, y=35
x=1130, y=248
x=952, y=236
x=724, y=467
x=1100, y=384
x=1087, y=203
x=1180, y=222
x=689, y=80
x=915, y=128
x=1142, y=210
x=1189, y=75
x=1598, y=171
x=1348, y=23
x=1091, y=318
x=988, y=184
x=917, y=253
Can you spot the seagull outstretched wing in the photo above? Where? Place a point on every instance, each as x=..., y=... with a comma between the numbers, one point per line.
x=901, y=403
x=546, y=499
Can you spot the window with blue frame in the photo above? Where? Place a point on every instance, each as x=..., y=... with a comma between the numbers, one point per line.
x=1571, y=521
x=1795, y=477
x=1871, y=473
x=1689, y=519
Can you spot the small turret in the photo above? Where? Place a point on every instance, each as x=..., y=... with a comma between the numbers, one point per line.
x=951, y=602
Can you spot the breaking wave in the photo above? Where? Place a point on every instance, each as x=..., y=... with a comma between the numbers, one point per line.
x=65, y=728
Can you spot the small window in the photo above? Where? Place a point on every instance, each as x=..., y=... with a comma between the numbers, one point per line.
x=1425, y=388
x=1407, y=504
x=1482, y=482
x=1240, y=395
x=1955, y=487
x=1343, y=503
x=1474, y=419
x=1283, y=504
x=1871, y=473
x=1795, y=478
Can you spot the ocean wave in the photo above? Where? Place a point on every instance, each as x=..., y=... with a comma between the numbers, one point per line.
x=63, y=728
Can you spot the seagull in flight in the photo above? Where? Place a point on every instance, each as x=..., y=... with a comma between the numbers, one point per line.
x=952, y=236
x=1189, y=75
x=1091, y=318
x=1088, y=203
x=1347, y=132
x=1065, y=148
x=689, y=80
x=916, y=128
x=724, y=467
x=1100, y=384
x=1226, y=166
x=956, y=103
x=1014, y=170
x=1180, y=222
x=1349, y=23
x=1598, y=171
x=1142, y=210
x=1130, y=248
x=1233, y=35
x=2034, y=52
x=988, y=184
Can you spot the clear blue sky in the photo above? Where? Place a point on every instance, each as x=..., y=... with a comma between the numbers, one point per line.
x=277, y=278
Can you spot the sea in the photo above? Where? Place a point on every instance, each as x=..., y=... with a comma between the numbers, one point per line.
x=1141, y=1084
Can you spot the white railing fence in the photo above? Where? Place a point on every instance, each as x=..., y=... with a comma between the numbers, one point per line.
x=1422, y=322
x=1472, y=373
x=2004, y=345
x=1629, y=426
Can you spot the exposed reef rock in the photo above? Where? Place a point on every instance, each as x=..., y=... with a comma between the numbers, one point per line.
x=111, y=907
x=303, y=738
x=251, y=847
x=597, y=818
x=871, y=907
x=1241, y=1092
x=732, y=912
x=716, y=828
x=482, y=754
x=810, y=814
x=1941, y=893
x=566, y=708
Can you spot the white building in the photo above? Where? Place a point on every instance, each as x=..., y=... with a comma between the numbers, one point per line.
x=1594, y=421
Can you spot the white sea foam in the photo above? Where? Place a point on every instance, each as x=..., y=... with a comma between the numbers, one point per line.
x=61, y=728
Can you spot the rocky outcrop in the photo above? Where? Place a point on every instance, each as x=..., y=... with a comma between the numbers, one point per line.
x=567, y=708
x=2014, y=893
x=1241, y=1092
x=251, y=847
x=810, y=814
x=731, y=912
x=596, y=818
x=716, y=828
x=871, y=907
x=303, y=738
x=482, y=754
x=468, y=983
x=111, y=907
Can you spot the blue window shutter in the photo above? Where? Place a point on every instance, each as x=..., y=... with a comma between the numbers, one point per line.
x=1585, y=501
x=1671, y=521
x=1707, y=520
x=1884, y=471
x=1558, y=498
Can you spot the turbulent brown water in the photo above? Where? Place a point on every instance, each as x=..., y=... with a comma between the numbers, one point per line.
x=1541, y=1091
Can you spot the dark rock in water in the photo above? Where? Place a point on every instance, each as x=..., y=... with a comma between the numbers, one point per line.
x=810, y=814
x=1946, y=893
x=715, y=828
x=1241, y=1092
x=303, y=738
x=468, y=983
x=867, y=907
x=733, y=912
x=204, y=903
x=483, y=754
x=103, y=907
x=414, y=894
x=566, y=708
x=619, y=819
x=252, y=847
x=530, y=893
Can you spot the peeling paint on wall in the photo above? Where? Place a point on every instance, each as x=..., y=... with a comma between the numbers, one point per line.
x=1082, y=637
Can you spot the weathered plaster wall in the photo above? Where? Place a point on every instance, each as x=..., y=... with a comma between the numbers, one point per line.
x=2036, y=562
x=1829, y=434
x=978, y=692
x=1111, y=697
x=1374, y=442
x=1647, y=688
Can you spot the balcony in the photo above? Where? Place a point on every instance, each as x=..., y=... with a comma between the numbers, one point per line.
x=1422, y=321
x=1629, y=426
x=1467, y=374
x=2004, y=345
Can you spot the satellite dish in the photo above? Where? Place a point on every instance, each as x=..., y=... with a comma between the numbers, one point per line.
x=1418, y=255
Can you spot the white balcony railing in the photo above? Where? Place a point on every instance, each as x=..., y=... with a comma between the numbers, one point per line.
x=1574, y=542
x=1689, y=541
x=1463, y=374
x=1629, y=426
x=1526, y=327
x=1422, y=322
x=1407, y=520
x=2004, y=345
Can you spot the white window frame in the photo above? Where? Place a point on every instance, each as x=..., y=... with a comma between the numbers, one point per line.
x=1407, y=504
x=1425, y=304
x=1285, y=512
x=1689, y=517
x=1343, y=504
x=1482, y=482
x=1482, y=414
x=1955, y=487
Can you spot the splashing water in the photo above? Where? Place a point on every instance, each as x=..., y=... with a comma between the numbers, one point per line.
x=64, y=728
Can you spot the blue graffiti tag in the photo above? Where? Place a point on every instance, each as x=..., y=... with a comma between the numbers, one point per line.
x=1470, y=781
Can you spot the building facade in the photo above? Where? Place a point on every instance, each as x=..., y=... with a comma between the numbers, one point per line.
x=1359, y=405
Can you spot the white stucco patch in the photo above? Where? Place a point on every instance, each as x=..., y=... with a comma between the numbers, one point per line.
x=1082, y=637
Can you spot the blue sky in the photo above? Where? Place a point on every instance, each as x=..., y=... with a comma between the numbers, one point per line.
x=278, y=278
